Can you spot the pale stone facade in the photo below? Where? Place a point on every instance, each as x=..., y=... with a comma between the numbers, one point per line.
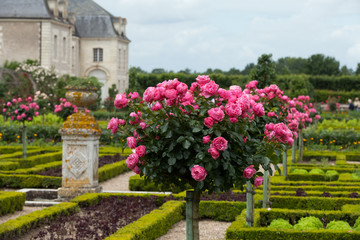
x=66, y=35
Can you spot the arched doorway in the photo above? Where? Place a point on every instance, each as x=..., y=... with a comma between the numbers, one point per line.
x=101, y=76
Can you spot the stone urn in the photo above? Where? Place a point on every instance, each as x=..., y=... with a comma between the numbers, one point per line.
x=80, y=135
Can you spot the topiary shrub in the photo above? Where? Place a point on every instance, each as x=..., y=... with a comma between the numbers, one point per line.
x=357, y=224
x=338, y=225
x=331, y=172
x=280, y=224
x=316, y=171
x=299, y=171
x=308, y=223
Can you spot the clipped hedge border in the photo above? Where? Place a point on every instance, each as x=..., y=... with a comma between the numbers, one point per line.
x=9, y=166
x=29, y=181
x=324, y=188
x=29, y=153
x=310, y=193
x=281, y=181
x=347, y=177
x=262, y=217
x=137, y=183
x=309, y=167
x=12, y=149
x=153, y=225
x=312, y=177
x=36, y=160
x=35, y=169
x=15, y=227
x=11, y=202
x=311, y=203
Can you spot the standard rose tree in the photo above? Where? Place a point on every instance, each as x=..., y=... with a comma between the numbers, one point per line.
x=21, y=110
x=204, y=135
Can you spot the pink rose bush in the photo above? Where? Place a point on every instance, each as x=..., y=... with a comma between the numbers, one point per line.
x=65, y=109
x=21, y=110
x=204, y=135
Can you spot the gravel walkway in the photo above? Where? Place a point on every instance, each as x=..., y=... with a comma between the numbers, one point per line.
x=119, y=183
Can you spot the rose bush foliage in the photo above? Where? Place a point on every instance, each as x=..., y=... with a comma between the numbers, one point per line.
x=203, y=135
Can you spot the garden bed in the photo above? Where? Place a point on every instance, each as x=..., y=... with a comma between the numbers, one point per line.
x=91, y=222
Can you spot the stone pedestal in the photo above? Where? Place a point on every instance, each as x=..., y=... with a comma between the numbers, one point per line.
x=80, y=161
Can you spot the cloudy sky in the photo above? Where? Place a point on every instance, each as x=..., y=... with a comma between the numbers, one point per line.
x=201, y=34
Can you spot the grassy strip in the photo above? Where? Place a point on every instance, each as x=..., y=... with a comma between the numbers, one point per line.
x=11, y=202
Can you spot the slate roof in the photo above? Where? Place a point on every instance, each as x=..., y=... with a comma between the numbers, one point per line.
x=24, y=9
x=91, y=19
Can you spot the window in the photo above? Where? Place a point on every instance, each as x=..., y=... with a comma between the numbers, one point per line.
x=98, y=54
x=55, y=47
x=73, y=56
x=64, y=49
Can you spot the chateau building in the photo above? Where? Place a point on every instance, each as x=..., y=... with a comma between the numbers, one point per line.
x=77, y=37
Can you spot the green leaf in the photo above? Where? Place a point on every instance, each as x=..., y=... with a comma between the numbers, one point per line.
x=196, y=129
x=180, y=139
x=164, y=127
x=186, y=144
x=179, y=155
x=171, y=161
x=186, y=154
x=208, y=166
x=168, y=134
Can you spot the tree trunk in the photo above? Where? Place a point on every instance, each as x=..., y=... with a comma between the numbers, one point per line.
x=265, y=189
x=293, y=153
x=301, y=146
x=24, y=139
x=192, y=215
x=285, y=173
x=249, y=204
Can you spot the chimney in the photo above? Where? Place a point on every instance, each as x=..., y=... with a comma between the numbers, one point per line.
x=63, y=6
x=119, y=25
x=53, y=6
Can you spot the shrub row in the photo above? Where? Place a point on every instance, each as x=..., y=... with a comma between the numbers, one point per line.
x=347, y=177
x=310, y=193
x=311, y=203
x=262, y=217
x=322, y=187
x=280, y=181
x=11, y=202
x=19, y=154
x=312, y=177
x=323, y=94
x=137, y=183
x=14, y=228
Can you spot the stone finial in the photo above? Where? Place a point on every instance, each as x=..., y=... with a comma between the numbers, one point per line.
x=63, y=6
x=53, y=6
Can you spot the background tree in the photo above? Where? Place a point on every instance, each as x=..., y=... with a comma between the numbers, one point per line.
x=357, y=72
x=318, y=64
x=291, y=65
x=248, y=68
x=158, y=70
x=233, y=71
x=264, y=71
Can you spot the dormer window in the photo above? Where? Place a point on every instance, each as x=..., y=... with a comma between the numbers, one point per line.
x=98, y=54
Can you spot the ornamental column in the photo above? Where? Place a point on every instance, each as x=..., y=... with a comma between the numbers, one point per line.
x=80, y=135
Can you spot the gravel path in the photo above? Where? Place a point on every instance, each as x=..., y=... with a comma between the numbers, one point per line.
x=209, y=230
x=26, y=210
x=119, y=183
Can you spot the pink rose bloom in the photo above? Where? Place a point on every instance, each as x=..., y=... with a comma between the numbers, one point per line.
x=206, y=139
x=4, y=109
x=149, y=94
x=157, y=106
x=217, y=114
x=36, y=113
x=143, y=125
x=209, y=122
x=12, y=118
x=134, y=95
x=37, y=107
x=26, y=108
x=259, y=109
x=67, y=104
x=113, y=125
x=8, y=104
x=210, y=89
x=252, y=84
x=171, y=94
x=220, y=143
x=23, y=115
x=233, y=110
x=131, y=142
x=223, y=93
x=141, y=150
x=136, y=118
x=135, y=134
x=136, y=170
x=198, y=173
x=234, y=120
x=214, y=152
x=249, y=172
x=120, y=101
x=202, y=79
x=122, y=122
x=271, y=114
x=18, y=117
x=19, y=99
x=132, y=160
x=317, y=117
x=194, y=86
x=16, y=111
x=258, y=181
x=182, y=88
x=14, y=100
